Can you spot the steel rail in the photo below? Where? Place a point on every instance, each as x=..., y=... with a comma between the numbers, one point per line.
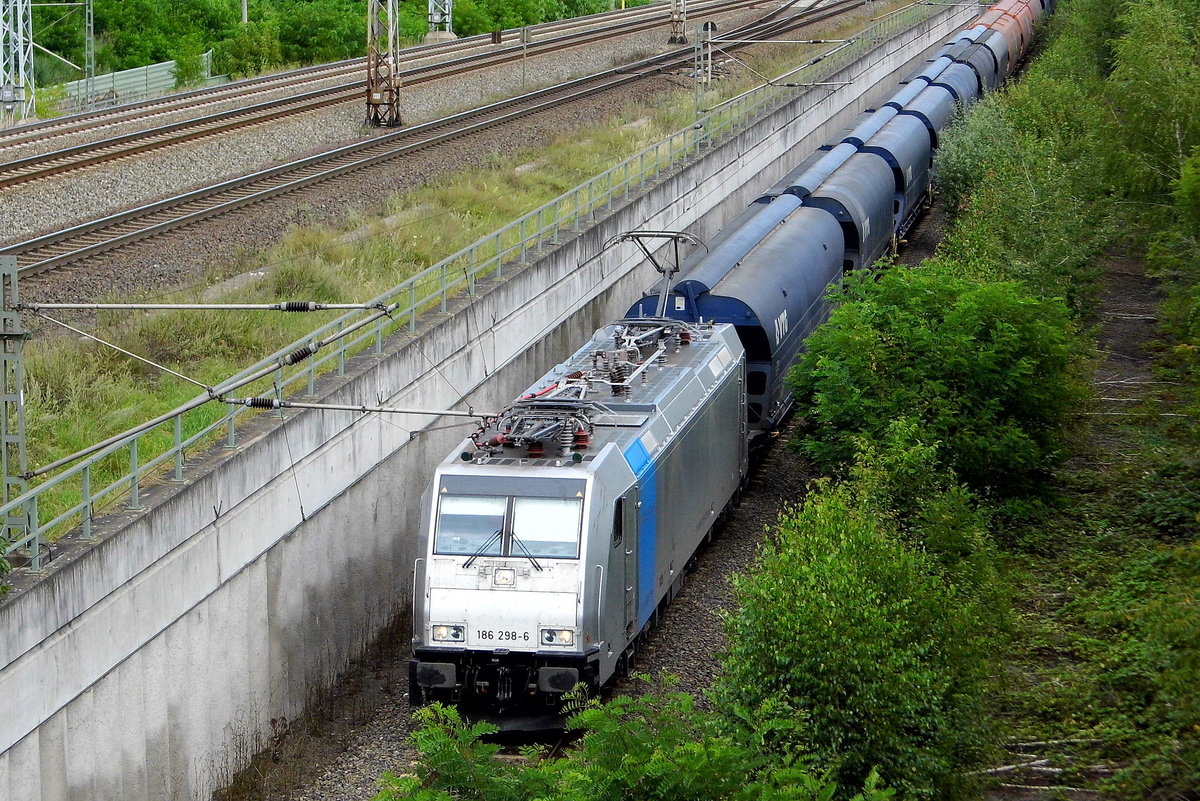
x=98, y=236
x=645, y=16
x=59, y=162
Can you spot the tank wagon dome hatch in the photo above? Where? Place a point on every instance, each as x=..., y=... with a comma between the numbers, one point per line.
x=929, y=73
x=795, y=175
x=870, y=126
x=808, y=181
x=906, y=95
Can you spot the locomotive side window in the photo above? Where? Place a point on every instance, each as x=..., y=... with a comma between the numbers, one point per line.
x=618, y=522
x=466, y=523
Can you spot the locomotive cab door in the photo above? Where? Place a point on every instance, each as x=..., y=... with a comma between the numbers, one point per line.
x=625, y=537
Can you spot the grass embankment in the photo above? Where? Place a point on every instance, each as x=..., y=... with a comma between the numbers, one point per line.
x=80, y=393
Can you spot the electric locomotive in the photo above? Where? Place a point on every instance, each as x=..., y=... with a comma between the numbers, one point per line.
x=556, y=530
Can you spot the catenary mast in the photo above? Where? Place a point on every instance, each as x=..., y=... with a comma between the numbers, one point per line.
x=16, y=61
x=383, y=83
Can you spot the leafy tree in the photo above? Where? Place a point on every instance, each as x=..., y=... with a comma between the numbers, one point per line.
x=1031, y=209
x=189, y=62
x=313, y=33
x=848, y=652
x=252, y=49
x=985, y=369
x=1154, y=90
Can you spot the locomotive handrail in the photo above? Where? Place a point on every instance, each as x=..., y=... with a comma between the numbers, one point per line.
x=24, y=530
x=599, y=598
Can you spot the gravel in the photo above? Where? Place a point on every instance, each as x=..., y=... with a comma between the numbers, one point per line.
x=85, y=194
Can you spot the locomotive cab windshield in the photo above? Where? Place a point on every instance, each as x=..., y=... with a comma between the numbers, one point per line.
x=492, y=516
x=500, y=525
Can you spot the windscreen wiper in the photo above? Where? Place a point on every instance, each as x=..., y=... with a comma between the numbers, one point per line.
x=517, y=541
x=495, y=536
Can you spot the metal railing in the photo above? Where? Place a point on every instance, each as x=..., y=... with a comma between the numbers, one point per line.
x=126, y=86
x=430, y=289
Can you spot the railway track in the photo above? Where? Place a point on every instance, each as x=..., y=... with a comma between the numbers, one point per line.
x=449, y=58
x=104, y=235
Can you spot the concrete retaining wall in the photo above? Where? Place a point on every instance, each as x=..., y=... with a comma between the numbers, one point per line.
x=149, y=665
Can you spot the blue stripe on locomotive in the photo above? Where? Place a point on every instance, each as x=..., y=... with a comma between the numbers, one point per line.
x=637, y=456
x=647, y=551
x=647, y=544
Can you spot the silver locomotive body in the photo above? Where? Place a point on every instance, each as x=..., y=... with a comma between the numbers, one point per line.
x=563, y=524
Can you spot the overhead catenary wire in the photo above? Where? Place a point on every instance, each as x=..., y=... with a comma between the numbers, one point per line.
x=283, y=306
x=261, y=402
x=119, y=349
x=220, y=390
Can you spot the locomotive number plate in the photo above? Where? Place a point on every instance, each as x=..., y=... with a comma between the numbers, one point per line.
x=502, y=635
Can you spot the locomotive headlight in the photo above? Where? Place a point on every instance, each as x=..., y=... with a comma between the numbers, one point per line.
x=558, y=637
x=449, y=633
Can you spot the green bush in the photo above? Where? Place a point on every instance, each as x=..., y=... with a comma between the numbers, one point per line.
x=986, y=371
x=657, y=746
x=189, y=62
x=1028, y=210
x=316, y=33
x=134, y=33
x=252, y=49
x=898, y=479
x=849, y=653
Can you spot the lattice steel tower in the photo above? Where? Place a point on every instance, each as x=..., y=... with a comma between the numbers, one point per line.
x=678, y=20
x=16, y=61
x=383, y=82
x=441, y=15
x=13, y=457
